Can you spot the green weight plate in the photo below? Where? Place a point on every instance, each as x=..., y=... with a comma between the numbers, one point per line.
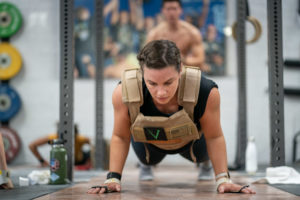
x=10, y=19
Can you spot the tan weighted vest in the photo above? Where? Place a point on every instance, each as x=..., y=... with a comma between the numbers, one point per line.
x=171, y=131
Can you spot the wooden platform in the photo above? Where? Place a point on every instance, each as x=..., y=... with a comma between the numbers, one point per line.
x=172, y=183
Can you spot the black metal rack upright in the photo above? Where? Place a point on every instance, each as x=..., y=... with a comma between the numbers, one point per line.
x=66, y=131
x=274, y=10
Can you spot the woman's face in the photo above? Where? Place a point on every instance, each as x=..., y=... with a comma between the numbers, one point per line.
x=162, y=83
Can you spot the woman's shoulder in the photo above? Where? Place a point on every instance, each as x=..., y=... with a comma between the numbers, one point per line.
x=206, y=84
x=117, y=100
x=117, y=94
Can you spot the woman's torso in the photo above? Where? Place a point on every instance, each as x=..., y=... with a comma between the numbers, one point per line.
x=150, y=109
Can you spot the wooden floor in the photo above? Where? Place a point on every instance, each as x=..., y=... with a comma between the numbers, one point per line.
x=170, y=183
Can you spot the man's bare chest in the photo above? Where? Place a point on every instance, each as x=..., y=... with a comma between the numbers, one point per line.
x=181, y=39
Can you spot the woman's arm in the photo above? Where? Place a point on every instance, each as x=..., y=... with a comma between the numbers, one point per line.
x=215, y=142
x=211, y=127
x=120, y=141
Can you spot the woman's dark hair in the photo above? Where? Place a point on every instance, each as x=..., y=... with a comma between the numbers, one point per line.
x=159, y=54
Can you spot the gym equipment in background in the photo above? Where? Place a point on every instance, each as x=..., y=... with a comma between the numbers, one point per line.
x=66, y=83
x=295, y=143
x=239, y=162
x=10, y=102
x=294, y=64
x=293, y=91
x=10, y=61
x=276, y=100
x=10, y=20
x=10, y=65
x=256, y=24
x=12, y=143
x=100, y=156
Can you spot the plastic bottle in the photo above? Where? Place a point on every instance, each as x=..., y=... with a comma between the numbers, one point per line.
x=251, y=156
x=58, y=163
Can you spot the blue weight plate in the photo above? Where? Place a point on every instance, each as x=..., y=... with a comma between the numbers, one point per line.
x=10, y=102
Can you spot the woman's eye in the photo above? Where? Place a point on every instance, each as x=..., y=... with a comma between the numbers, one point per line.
x=168, y=83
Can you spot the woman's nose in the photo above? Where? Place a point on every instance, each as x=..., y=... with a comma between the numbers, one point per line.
x=161, y=92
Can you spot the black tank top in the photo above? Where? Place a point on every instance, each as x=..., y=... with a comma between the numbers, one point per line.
x=149, y=108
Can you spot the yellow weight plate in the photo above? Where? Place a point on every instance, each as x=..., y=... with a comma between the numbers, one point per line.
x=10, y=61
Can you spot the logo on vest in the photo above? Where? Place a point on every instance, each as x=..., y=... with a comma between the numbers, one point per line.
x=155, y=133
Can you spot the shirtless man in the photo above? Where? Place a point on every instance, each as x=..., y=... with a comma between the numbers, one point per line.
x=186, y=36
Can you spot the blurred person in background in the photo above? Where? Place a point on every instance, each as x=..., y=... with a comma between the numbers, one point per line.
x=82, y=151
x=186, y=36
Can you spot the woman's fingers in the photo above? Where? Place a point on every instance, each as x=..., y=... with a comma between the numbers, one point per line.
x=234, y=188
x=103, y=190
x=248, y=191
x=93, y=190
x=112, y=187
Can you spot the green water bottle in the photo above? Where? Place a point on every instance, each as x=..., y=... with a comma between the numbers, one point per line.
x=58, y=163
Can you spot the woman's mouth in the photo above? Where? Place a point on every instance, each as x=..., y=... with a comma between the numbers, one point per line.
x=162, y=98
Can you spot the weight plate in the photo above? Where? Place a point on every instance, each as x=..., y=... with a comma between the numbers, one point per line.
x=10, y=19
x=10, y=102
x=10, y=61
x=12, y=143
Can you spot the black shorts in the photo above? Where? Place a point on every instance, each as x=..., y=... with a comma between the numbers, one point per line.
x=194, y=151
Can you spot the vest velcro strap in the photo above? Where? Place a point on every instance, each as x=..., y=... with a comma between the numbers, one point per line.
x=134, y=109
x=191, y=86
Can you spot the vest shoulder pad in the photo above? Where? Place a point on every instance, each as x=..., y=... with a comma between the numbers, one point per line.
x=189, y=87
x=132, y=89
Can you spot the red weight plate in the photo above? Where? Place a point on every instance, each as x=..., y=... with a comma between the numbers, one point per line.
x=12, y=143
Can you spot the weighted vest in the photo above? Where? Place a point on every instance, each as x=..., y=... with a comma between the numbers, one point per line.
x=165, y=132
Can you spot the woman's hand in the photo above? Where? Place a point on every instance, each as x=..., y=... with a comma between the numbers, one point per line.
x=235, y=188
x=105, y=188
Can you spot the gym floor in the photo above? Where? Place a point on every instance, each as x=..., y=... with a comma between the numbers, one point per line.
x=171, y=182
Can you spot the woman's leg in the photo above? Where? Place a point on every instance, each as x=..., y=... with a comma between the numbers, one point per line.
x=147, y=157
x=154, y=156
x=197, y=152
